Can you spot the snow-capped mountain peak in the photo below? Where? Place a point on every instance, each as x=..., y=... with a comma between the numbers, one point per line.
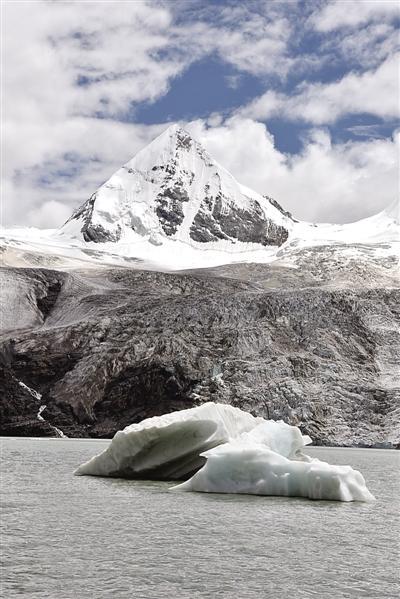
x=174, y=207
x=174, y=189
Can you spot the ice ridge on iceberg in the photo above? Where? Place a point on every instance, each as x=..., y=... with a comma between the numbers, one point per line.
x=168, y=447
x=225, y=450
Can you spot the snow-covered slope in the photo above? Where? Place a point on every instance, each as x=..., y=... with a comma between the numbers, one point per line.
x=383, y=227
x=173, y=207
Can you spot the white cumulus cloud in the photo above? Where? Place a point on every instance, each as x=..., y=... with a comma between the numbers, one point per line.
x=375, y=91
x=351, y=13
x=74, y=71
x=324, y=183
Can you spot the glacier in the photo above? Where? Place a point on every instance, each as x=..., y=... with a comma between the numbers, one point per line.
x=172, y=269
x=221, y=449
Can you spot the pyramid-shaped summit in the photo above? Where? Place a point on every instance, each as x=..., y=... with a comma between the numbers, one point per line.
x=174, y=189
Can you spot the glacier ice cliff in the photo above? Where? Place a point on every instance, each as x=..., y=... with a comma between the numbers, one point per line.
x=226, y=450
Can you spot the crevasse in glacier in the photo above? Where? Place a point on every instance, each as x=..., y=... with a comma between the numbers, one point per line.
x=225, y=450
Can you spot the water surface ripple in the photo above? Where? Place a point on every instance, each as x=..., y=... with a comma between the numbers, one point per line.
x=69, y=537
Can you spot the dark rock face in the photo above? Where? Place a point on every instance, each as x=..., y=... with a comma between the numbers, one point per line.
x=204, y=227
x=173, y=195
x=116, y=346
x=99, y=234
x=150, y=387
x=85, y=211
x=18, y=409
x=184, y=140
x=169, y=208
x=213, y=222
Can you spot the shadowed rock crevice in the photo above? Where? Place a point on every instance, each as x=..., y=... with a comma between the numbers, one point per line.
x=142, y=391
x=46, y=303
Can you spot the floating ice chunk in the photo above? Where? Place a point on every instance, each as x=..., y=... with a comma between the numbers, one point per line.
x=168, y=447
x=225, y=450
x=243, y=467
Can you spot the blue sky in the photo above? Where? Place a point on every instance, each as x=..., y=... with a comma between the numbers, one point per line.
x=208, y=85
x=299, y=100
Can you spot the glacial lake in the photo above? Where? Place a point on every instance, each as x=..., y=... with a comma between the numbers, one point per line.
x=66, y=537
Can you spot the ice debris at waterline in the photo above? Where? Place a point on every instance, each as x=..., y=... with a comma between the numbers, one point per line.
x=225, y=450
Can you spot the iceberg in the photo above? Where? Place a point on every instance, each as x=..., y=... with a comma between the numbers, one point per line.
x=257, y=470
x=216, y=448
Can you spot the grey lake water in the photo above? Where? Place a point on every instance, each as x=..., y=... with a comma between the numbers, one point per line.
x=70, y=537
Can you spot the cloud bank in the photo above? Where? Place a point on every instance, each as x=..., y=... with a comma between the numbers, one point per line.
x=375, y=92
x=74, y=74
x=343, y=182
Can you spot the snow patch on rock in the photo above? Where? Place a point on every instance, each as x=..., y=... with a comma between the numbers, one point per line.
x=41, y=409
